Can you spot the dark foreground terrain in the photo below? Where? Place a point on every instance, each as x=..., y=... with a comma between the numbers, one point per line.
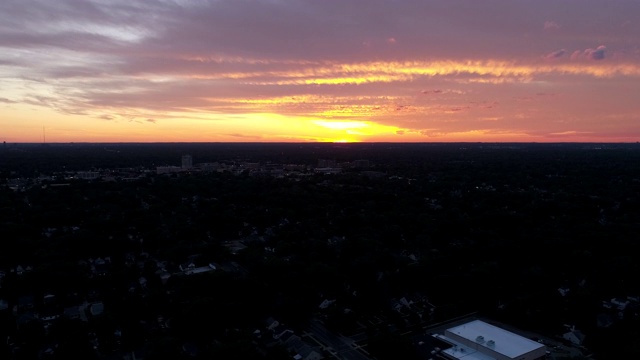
x=265, y=251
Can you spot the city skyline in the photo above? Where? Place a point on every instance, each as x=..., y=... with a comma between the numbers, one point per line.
x=308, y=71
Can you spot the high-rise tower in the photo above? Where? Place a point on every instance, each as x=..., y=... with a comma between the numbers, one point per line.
x=187, y=162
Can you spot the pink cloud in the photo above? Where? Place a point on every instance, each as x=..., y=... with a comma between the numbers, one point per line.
x=556, y=54
x=550, y=25
x=570, y=132
x=429, y=92
x=243, y=136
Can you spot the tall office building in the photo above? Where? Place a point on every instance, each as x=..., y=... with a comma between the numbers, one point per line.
x=187, y=162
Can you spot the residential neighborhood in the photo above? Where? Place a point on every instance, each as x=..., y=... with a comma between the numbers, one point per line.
x=271, y=259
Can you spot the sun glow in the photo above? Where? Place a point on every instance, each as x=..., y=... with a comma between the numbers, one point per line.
x=341, y=125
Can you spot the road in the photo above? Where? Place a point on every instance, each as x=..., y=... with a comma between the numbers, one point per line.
x=341, y=347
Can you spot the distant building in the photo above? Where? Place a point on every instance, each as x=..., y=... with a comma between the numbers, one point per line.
x=167, y=169
x=329, y=170
x=88, y=175
x=209, y=166
x=324, y=163
x=361, y=164
x=478, y=340
x=187, y=162
x=250, y=165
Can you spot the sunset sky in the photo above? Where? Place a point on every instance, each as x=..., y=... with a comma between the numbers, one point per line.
x=319, y=70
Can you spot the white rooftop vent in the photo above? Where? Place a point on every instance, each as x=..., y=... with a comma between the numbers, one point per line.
x=480, y=339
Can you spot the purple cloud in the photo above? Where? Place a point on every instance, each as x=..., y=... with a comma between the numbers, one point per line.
x=597, y=54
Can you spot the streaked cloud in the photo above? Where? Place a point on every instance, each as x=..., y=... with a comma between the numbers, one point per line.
x=570, y=132
x=556, y=54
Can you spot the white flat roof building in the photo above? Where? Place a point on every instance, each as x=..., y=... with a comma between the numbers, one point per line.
x=478, y=340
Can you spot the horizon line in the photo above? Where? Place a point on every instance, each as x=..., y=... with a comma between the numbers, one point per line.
x=317, y=143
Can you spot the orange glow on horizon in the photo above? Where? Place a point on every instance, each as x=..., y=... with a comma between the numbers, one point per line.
x=313, y=117
x=262, y=127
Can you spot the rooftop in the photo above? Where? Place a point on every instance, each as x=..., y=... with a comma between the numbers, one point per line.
x=460, y=351
x=504, y=342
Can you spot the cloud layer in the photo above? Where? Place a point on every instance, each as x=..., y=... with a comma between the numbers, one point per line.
x=423, y=69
